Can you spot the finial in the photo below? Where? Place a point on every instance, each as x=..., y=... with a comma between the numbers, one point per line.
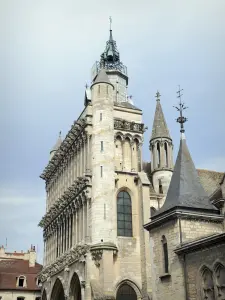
x=86, y=85
x=110, y=23
x=60, y=134
x=181, y=119
x=157, y=96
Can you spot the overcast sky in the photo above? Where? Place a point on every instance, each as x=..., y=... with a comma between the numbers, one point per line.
x=47, y=50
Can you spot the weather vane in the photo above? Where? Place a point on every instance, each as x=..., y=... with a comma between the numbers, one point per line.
x=158, y=96
x=110, y=23
x=181, y=119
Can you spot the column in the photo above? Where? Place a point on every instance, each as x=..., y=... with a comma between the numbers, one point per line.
x=78, y=161
x=123, y=155
x=84, y=219
x=71, y=230
x=75, y=228
x=84, y=155
x=140, y=156
x=162, y=154
x=87, y=221
x=155, y=154
x=78, y=224
x=62, y=237
x=88, y=154
x=133, y=152
x=68, y=232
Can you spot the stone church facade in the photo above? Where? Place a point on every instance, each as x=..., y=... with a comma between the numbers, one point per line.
x=99, y=239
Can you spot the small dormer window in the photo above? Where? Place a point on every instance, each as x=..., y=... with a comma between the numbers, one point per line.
x=21, y=281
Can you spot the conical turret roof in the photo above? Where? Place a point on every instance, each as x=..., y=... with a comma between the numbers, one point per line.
x=57, y=144
x=159, y=128
x=102, y=77
x=185, y=190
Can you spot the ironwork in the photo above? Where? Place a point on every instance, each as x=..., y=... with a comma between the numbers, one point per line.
x=181, y=119
x=157, y=96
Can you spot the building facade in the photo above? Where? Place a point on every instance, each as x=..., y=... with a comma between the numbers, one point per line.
x=100, y=194
x=19, y=275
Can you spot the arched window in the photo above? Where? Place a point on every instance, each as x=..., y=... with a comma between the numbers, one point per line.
x=219, y=270
x=158, y=155
x=124, y=214
x=21, y=281
x=165, y=255
x=166, y=153
x=207, y=284
x=126, y=292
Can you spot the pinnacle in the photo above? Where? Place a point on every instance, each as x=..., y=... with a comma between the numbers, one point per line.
x=159, y=128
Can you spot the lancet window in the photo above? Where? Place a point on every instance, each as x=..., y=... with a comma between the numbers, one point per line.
x=124, y=214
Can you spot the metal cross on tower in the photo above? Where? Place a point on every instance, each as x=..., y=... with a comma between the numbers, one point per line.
x=181, y=119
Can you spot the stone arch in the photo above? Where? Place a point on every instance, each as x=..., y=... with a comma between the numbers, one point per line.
x=75, y=287
x=58, y=291
x=219, y=276
x=206, y=283
x=132, y=285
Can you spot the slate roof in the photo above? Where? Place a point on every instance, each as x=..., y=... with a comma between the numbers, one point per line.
x=102, y=77
x=210, y=180
x=10, y=269
x=185, y=190
x=126, y=105
x=159, y=128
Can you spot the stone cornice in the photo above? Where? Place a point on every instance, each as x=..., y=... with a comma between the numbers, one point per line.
x=124, y=125
x=69, y=195
x=183, y=214
x=208, y=241
x=74, y=254
x=67, y=145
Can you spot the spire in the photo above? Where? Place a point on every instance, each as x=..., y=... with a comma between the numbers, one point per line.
x=159, y=128
x=185, y=190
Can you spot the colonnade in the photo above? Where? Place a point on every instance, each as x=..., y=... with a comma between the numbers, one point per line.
x=76, y=164
x=162, y=154
x=128, y=154
x=71, y=228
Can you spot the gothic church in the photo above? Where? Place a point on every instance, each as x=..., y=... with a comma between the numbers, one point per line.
x=117, y=227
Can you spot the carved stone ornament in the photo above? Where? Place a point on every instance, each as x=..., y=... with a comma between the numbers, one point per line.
x=97, y=256
x=63, y=261
x=76, y=129
x=128, y=126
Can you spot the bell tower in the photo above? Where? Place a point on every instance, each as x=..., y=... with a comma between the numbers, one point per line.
x=161, y=147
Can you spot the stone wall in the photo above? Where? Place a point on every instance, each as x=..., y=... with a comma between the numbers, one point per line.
x=195, y=262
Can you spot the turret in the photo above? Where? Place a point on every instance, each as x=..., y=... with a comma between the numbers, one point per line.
x=56, y=147
x=103, y=179
x=161, y=147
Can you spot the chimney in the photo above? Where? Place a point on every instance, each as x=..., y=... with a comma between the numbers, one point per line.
x=32, y=256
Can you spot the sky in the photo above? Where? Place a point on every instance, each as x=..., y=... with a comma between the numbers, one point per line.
x=47, y=51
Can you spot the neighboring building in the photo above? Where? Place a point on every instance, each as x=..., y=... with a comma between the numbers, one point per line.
x=19, y=275
x=100, y=194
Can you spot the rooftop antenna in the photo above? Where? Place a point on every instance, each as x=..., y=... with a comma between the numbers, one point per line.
x=181, y=119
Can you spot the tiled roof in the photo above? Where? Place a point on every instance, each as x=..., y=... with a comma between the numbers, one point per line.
x=12, y=268
x=210, y=180
x=126, y=105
